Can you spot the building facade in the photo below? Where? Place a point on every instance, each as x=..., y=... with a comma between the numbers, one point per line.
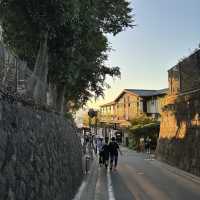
x=132, y=103
x=107, y=112
x=184, y=89
x=179, y=136
x=185, y=76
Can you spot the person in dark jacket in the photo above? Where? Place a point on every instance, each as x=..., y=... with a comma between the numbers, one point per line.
x=105, y=150
x=113, y=149
x=100, y=150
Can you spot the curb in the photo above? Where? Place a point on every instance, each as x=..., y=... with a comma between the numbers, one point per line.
x=85, y=191
x=180, y=172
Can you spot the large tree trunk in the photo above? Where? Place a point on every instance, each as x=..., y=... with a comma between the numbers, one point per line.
x=37, y=84
x=60, y=98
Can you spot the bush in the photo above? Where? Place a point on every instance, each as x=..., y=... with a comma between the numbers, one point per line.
x=69, y=116
x=142, y=120
x=143, y=131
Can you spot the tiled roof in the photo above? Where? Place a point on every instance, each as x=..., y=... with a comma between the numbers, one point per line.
x=108, y=104
x=139, y=92
x=146, y=93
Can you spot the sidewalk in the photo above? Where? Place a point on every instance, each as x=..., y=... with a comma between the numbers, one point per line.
x=90, y=165
x=88, y=186
x=96, y=185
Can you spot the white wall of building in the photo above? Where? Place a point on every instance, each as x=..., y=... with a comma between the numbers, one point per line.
x=153, y=105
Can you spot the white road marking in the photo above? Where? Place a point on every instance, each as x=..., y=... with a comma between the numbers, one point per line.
x=80, y=191
x=110, y=188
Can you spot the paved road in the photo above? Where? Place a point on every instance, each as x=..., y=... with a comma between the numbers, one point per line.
x=141, y=179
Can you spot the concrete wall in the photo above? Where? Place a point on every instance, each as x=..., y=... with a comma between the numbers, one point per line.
x=40, y=155
x=179, y=140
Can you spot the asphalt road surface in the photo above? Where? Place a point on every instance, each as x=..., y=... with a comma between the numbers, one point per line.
x=138, y=177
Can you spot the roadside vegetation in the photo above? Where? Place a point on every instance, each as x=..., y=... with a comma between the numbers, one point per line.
x=143, y=127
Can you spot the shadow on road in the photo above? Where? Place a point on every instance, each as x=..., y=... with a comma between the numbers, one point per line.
x=120, y=189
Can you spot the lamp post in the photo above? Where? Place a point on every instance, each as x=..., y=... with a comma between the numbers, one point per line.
x=92, y=113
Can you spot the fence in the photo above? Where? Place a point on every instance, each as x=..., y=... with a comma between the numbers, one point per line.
x=14, y=73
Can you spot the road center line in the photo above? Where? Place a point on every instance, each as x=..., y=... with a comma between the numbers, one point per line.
x=110, y=188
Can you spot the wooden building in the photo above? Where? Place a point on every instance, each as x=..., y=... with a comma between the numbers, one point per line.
x=132, y=103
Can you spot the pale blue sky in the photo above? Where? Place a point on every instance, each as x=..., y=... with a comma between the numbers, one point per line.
x=166, y=31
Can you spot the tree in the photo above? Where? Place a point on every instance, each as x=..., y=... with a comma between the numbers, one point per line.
x=26, y=25
x=76, y=44
x=92, y=46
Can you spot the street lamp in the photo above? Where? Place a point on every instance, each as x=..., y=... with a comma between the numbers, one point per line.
x=92, y=113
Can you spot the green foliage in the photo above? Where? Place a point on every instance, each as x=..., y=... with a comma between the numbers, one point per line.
x=142, y=120
x=132, y=143
x=25, y=24
x=69, y=116
x=77, y=44
x=143, y=131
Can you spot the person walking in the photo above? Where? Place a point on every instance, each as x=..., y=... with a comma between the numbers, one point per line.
x=100, y=150
x=148, y=147
x=141, y=145
x=105, y=150
x=113, y=150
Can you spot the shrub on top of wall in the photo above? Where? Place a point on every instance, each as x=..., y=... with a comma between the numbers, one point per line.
x=142, y=120
x=143, y=131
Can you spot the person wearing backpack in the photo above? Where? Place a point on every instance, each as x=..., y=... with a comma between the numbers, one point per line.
x=113, y=150
x=105, y=150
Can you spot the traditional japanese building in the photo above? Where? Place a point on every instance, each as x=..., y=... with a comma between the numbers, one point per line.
x=132, y=103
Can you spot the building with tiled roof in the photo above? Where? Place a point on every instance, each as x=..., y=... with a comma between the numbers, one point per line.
x=132, y=103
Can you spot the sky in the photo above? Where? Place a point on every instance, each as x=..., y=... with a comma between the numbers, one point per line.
x=165, y=32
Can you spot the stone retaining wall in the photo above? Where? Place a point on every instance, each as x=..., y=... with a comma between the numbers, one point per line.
x=179, y=140
x=40, y=155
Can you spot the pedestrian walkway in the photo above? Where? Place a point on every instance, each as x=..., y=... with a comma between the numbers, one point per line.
x=138, y=178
